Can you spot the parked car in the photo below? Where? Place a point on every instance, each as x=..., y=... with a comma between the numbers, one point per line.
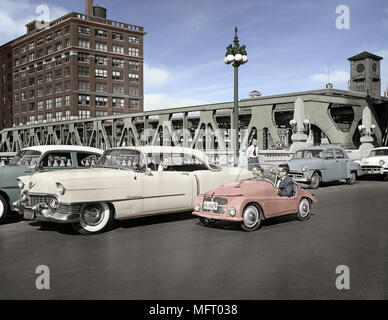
x=6, y=158
x=127, y=182
x=324, y=163
x=40, y=159
x=251, y=201
x=376, y=164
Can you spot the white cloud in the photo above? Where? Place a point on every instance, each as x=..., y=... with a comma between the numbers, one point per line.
x=384, y=68
x=157, y=101
x=155, y=77
x=15, y=15
x=337, y=76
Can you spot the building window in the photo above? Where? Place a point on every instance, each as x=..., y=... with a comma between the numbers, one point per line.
x=101, y=60
x=39, y=42
x=40, y=105
x=102, y=46
x=67, y=57
x=49, y=89
x=49, y=104
x=32, y=119
x=67, y=43
x=31, y=81
x=134, y=39
x=118, y=63
x=16, y=62
x=133, y=65
x=49, y=37
x=118, y=103
x=84, y=99
x=31, y=69
x=31, y=46
x=58, y=34
x=118, y=49
x=133, y=91
x=67, y=30
x=58, y=74
x=133, y=104
x=83, y=85
x=58, y=46
x=83, y=43
x=40, y=118
x=100, y=73
x=101, y=87
x=58, y=102
x=134, y=52
x=49, y=50
x=101, y=101
x=83, y=71
x=58, y=115
x=67, y=114
x=31, y=57
x=49, y=64
x=133, y=77
x=101, y=113
x=58, y=87
x=58, y=60
x=117, y=36
x=67, y=85
x=39, y=67
x=67, y=101
x=83, y=114
x=32, y=106
x=49, y=117
x=117, y=75
x=24, y=83
x=101, y=33
x=39, y=92
x=83, y=30
x=39, y=53
x=23, y=49
x=83, y=57
x=67, y=71
x=31, y=94
x=117, y=89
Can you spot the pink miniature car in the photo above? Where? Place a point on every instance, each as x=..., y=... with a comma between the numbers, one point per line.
x=251, y=201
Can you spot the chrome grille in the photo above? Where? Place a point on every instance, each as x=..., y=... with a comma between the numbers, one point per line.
x=220, y=201
x=69, y=209
x=36, y=199
x=371, y=167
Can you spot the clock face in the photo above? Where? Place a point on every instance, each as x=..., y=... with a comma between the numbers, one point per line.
x=360, y=68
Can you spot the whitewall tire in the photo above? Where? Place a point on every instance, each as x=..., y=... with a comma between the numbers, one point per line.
x=304, y=209
x=4, y=208
x=94, y=218
x=252, y=218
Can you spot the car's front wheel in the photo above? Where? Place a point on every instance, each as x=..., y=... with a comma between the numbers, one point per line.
x=304, y=210
x=252, y=218
x=94, y=218
x=352, y=178
x=315, y=180
x=4, y=208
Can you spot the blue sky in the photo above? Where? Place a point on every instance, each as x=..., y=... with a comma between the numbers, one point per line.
x=289, y=43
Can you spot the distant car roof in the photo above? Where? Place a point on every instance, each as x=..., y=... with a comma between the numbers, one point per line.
x=380, y=148
x=166, y=149
x=321, y=147
x=63, y=147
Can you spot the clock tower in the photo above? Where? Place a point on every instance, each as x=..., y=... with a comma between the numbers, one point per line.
x=365, y=74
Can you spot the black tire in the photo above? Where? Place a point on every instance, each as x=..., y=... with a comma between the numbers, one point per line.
x=252, y=218
x=207, y=221
x=352, y=179
x=304, y=209
x=385, y=177
x=4, y=209
x=315, y=180
x=94, y=218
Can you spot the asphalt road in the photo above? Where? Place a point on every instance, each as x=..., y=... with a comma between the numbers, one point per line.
x=174, y=257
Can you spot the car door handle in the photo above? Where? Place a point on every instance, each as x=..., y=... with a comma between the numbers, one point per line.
x=185, y=173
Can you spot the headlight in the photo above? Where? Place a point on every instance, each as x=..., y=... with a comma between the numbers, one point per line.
x=197, y=207
x=24, y=196
x=20, y=184
x=381, y=162
x=232, y=211
x=60, y=188
x=54, y=203
x=304, y=169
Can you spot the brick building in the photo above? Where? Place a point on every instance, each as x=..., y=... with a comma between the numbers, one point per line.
x=77, y=66
x=6, y=86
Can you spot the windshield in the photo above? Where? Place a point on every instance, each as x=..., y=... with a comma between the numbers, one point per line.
x=122, y=159
x=26, y=158
x=379, y=152
x=309, y=154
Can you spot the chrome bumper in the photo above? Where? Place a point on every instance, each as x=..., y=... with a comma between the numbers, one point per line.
x=299, y=177
x=43, y=212
x=374, y=170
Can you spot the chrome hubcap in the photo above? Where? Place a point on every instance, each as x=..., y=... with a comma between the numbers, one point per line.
x=251, y=217
x=304, y=208
x=92, y=216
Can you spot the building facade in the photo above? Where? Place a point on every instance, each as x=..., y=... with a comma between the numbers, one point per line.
x=78, y=66
x=6, y=86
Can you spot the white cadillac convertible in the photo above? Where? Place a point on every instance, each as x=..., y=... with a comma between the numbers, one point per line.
x=126, y=182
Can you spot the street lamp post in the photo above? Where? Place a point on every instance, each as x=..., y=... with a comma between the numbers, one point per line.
x=238, y=56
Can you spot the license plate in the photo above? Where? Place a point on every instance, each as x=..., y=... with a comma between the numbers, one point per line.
x=28, y=214
x=209, y=205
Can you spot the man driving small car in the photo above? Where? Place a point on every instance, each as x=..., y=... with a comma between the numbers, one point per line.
x=285, y=183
